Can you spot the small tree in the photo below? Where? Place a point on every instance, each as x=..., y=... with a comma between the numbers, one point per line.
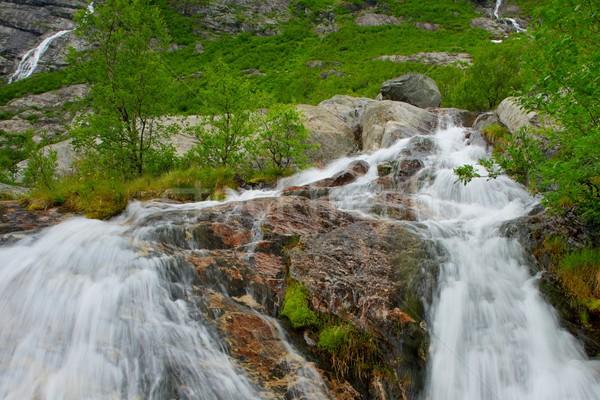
x=230, y=102
x=128, y=80
x=41, y=169
x=283, y=139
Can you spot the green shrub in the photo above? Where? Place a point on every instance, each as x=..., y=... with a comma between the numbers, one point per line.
x=580, y=273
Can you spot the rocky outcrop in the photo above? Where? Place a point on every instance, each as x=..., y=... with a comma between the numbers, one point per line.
x=512, y=115
x=493, y=26
x=366, y=273
x=367, y=20
x=431, y=58
x=233, y=17
x=416, y=89
x=334, y=138
x=385, y=122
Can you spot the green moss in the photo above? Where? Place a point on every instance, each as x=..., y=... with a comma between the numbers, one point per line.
x=295, y=306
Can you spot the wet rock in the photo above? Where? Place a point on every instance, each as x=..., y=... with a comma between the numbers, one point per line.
x=457, y=117
x=419, y=146
x=416, y=89
x=532, y=232
x=408, y=120
x=350, y=110
x=366, y=273
x=14, y=218
x=360, y=167
x=394, y=206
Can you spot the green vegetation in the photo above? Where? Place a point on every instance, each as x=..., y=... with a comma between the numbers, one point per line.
x=561, y=161
x=579, y=272
x=295, y=306
x=13, y=149
x=129, y=84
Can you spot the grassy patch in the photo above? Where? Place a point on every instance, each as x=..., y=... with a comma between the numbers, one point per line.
x=579, y=272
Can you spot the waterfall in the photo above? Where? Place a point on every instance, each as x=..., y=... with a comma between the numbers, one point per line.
x=29, y=62
x=99, y=310
x=512, y=21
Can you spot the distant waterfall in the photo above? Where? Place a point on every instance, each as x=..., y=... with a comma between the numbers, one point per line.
x=30, y=60
x=512, y=21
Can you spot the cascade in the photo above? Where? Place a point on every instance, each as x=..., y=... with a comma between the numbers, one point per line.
x=29, y=62
x=101, y=310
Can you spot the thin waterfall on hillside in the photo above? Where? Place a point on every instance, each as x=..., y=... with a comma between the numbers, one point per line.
x=512, y=21
x=30, y=60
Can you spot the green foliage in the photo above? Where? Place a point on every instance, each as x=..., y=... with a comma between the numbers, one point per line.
x=495, y=74
x=129, y=83
x=37, y=83
x=13, y=149
x=283, y=139
x=41, y=169
x=567, y=64
x=295, y=306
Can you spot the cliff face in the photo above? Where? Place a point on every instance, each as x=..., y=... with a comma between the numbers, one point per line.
x=25, y=23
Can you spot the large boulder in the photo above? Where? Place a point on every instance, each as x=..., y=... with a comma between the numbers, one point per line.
x=512, y=115
x=349, y=109
x=386, y=121
x=493, y=26
x=332, y=136
x=416, y=89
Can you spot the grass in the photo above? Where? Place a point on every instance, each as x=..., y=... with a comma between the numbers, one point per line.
x=579, y=272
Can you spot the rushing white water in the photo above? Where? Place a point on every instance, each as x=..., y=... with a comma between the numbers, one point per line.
x=29, y=62
x=493, y=336
x=94, y=310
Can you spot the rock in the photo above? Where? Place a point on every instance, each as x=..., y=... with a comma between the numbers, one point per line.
x=16, y=125
x=493, y=26
x=427, y=26
x=335, y=138
x=366, y=273
x=217, y=17
x=199, y=48
x=394, y=206
x=419, y=147
x=320, y=64
x=53, y=99
x=432, y=58
x=512, y=115
x=350, y=110
x=253, y=72
x=533, y=232
x=377, y=115
x=360, y=167
x=14, y=217
x=367, y=20
x=415, y=89
x=457, y=117
x=65, y=156
x=324, y=29
x=12, y=191
x=332, y=72
x=394, y=131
